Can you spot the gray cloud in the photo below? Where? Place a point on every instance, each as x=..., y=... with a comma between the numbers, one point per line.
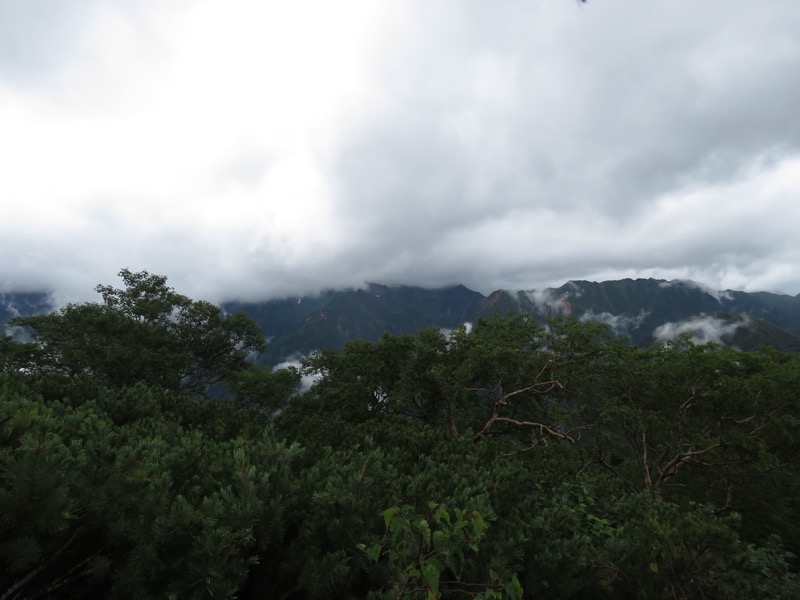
x=513, y=145
x=703, y=329
x=307, y=380
x=555, y=141
x=548, y=302
x=35, y=35
x=718, y=295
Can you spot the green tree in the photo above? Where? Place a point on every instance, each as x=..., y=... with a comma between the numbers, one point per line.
x=502, y=377
x=102, y=502
x=661, y=414
x=144, y=332
x=427, y=553
x=265, y=390
x=613, y=471
x=582, y=467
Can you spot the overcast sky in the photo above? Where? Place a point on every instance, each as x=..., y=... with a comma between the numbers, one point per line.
x=252, y=149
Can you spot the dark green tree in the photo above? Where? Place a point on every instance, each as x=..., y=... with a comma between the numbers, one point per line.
x=99, y=501
x=144, y=332
x=582, y=467
x=265, y=390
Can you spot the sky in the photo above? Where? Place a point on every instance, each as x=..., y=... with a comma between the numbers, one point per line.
x=258, y=149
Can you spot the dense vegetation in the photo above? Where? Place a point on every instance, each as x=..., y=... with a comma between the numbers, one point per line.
x=142, y=456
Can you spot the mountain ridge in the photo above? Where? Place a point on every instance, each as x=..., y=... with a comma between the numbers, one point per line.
x=645, y=310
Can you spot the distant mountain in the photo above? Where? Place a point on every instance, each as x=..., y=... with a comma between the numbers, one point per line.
x=645, y=310
x=23, y=303
x=649, y=310
x=301, y=325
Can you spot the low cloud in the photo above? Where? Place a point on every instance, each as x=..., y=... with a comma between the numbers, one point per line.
x=718, y=295
x=18, y=334
x=703, y=329
x=307, y=380
x=8, y=306
x=548, y=303
x=448, y=332
x=620, y=324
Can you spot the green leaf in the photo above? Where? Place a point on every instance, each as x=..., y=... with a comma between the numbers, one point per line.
x=442, y=514
x=375, y=552
x=431, y=573
x=514, y=589
x=479, y=526
x=425, y=531
x=439, y=539
x=388, y=515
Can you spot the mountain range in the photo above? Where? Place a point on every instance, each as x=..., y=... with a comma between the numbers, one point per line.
x=645, y=310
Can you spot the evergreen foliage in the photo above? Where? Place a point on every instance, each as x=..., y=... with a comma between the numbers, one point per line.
x=514, y=460
x=145, y=332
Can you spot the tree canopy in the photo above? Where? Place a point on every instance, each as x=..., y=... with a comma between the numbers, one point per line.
x=145, y=332
x=512, y=460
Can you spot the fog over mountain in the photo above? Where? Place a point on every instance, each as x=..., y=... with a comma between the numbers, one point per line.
x=646, y=311
x=254, y=150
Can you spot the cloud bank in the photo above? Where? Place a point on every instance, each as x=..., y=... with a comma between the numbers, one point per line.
x=259, y=149
x=703, y=329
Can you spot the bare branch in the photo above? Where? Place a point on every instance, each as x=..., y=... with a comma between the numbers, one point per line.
x=535, y=425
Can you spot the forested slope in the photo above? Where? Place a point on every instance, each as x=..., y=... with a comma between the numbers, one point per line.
x=516, y=460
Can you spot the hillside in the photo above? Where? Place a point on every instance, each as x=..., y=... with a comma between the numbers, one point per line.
x=506, y=460
x=645, y=310
x=303, y=324
x=649, y=310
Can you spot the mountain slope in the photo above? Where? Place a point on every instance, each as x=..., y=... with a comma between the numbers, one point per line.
x=23, y=304
x=302, y=325
x=648, y=310
x=645, y=310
